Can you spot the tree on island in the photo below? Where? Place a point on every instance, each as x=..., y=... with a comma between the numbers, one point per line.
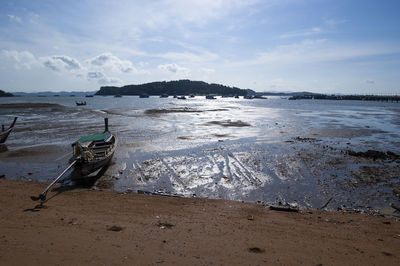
x=5, y=94
x=176, y=87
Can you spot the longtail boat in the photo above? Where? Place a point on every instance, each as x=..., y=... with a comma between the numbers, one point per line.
x=5, y=132
x=80, y=103
x=90, y=153
x=94, y=151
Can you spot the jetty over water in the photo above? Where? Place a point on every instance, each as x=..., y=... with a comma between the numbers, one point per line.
x=378, y=98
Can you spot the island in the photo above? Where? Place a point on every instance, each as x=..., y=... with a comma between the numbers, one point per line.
x=5, y=94
x=175, y=87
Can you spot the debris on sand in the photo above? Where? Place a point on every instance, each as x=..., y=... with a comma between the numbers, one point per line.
x=283, y=208
x=165, y=225
x=115, y=228
x=256, y=250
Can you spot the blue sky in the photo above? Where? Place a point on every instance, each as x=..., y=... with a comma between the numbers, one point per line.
x=330, y=46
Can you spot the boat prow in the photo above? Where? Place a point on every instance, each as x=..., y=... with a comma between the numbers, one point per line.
x=5, y=132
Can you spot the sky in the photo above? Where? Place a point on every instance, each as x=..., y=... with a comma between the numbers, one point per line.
x=327, y=46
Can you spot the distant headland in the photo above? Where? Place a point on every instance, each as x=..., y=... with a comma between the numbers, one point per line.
x=176, y=87
x=5, y=94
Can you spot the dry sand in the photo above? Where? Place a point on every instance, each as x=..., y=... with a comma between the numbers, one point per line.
x=79, y=227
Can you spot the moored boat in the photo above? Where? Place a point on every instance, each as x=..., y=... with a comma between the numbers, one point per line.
x=94, y=151
x=80, y=103
x=90, y=153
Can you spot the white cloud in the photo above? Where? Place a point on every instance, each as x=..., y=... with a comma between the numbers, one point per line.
x=23, y=59
x=14, y=18
x=189, y=57
x=302, y=33
x=109, y=81
x=108, y=61
x=174, y=68
x=61, y=62
x=334, y=22
x=102, y=79
x=95, y=75
x=318, y=50
x=207, y=70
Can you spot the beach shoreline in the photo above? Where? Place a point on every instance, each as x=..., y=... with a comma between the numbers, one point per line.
x=87, y=226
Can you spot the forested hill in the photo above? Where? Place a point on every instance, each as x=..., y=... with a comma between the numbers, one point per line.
x=5, y=94
x=178, y=87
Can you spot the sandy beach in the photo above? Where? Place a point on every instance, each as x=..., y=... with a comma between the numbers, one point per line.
x=92, y=227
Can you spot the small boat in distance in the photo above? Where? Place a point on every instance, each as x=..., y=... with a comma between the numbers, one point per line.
x=210, y=97
x=181, y=98
x=80, y=103
x=117, y=95
x=143, y=95
x=164, y=95
x=89, y=96
x=5, y=132
x=90, y=153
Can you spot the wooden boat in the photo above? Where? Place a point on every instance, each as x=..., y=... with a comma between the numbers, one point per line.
x=90, y=153
x=80, y=103
x=5, y=132
x=94, y=151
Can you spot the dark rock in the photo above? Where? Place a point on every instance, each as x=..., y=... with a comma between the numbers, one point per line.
x=115, y=228
x=256, y=250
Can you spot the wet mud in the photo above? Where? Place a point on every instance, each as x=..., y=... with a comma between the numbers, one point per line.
x=268, y=154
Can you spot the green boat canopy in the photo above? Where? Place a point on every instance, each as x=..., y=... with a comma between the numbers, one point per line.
x=95, y=137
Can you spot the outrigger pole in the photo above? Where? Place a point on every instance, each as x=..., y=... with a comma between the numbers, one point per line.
x=42, y=195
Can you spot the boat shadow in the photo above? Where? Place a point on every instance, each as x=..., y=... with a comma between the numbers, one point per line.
x=77, y=181
x=72, y=182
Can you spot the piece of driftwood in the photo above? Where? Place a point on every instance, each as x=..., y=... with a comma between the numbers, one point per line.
x=326, y=203
x=159, y=193
x=283, y=209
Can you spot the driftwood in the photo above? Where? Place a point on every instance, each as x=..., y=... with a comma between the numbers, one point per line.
x=159, y=194
x=283, y=209
x=326, y=203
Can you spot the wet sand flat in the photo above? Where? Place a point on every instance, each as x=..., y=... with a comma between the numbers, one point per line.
x=91, y=227
x=302, y=152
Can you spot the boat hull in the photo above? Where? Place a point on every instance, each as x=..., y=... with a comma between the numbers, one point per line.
x=86, y=168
